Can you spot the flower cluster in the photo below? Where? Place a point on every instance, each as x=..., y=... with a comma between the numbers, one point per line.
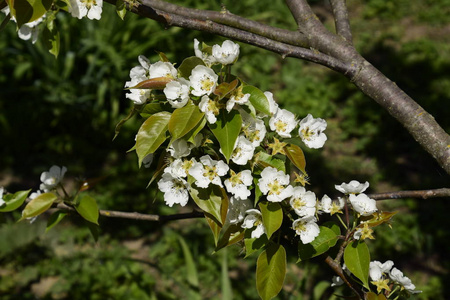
x=384, y=276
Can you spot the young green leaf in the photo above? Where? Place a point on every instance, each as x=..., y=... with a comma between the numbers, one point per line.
x=54, y=219
x=88, y=209
x=38, y=205
x=270, y=271
x=267, y=160
x=272, y=216
x=14, y=201
x=225, y=88
x=257, y=99
x=188, y=64
x=296, y=156
x=184, y=119
x=357, y=260
x=152, y=134
x=326, y=239
x=26, y=11
x=226, y=130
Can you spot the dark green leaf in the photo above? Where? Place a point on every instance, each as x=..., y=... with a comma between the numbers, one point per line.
x=326, y=239
x=270, y=271
x=54, y=219
x=121, y=9
x=26, y=11
x=51, y=41
x=191, y=274
x=226, y=130
x=188, y=64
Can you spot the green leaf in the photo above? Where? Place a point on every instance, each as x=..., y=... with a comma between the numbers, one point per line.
x=190, y=136
x=192, y=276
x=38, y=205
x=267, y=160
x=14, y=201
x=326, y=239
x=88, y=209
x=54, y=219
x=229, y=235
x=373, y=296
x=379, y=218
x=215, y=227
x=226, y=130
x=270, y=271
x=51, y=41
x=252, y=245
x=188, y=64
x=26, y=11
x=272, y=216
x=151, y=134
x=296, y=156
x=333, y=226
x=121, y=9
x=257, y=99
x=152, y=108
x=184, y=119
x=357, y=260
x=94, y=229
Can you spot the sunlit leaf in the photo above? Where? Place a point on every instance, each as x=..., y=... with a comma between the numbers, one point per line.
x=14, y=201
x=184, y=119
x=272, y=216
x=357, y=260
x=257, y=99
x=226, y=130
x=88, y=209
x=267, y=160
x=26, y=11
x=270, y=271
x=326, y=239
x=38, y=205
x=296, y=156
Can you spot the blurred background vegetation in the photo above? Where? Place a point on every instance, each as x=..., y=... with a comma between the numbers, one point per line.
x=63, y=111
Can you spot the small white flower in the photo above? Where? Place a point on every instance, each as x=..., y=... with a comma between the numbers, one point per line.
x=90, y=8
x=243, y=151
x=209, y=107
x=174, y=189
x=203, y=80
x=329, y=206
x=29, y=30
x=275, y=184
x=35, y=194
x=311, y=132
x=2, y=202
x=397, y=276
x=51, y=178
x=237, y=209
x=162, y=69
x=353, y=187
x=238, y=98
x=303, y=202
x=147, y=161
x=306, y=228
x=141, y=72
x=177, y=92
x=253, y=129
x=362, y=204
x=179, y=168
x=283, y=122
x=138, y=96
x=254, y=219
x=237, y=184
x=179, y=148
x=273, y=106
x=208, y=171
x=377, y=269
x=227, y=53
x=207, y=58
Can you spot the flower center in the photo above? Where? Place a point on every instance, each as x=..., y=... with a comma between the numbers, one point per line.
x=300, y=226
x=298, y=203
x=275, y=187
x=307, y=134
x=210, y=172
x=280, y=125
x=212, y=107
x=206, y=84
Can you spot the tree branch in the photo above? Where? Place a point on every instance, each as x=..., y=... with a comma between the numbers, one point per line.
x=336, y=267
x=423, y=194
x=341, y=19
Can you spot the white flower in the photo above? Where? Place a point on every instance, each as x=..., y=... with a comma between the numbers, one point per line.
x=283, y=122
x=203, y=80
x=227, y=53
x=306, y=228
x=35, y=194
x=180, y=168
x=209, y=107
x=177, y=92
x=179, y=148
x=377, y=269
x=174, y=189
x=275, y=184
x=90, y=8
x=162, y=69
x=273, y=106
x=253, y=129
x=29, y=30
x=51, y=178
x=310, y=131
x=243, y=151
x=397, y=276
x=353, y=187
x=331, y=207
x=208, y=59
x=303, y=202
x=238, y=98
x=208, y=171
x=237, y=184
x=254, y=219
x=237, y=209
x=362, y=204
x=147, y=161
x=140, y=72
x=2, y=202
x=138, y=96
x=337, y=281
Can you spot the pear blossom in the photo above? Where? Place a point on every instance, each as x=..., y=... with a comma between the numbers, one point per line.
x=203, y=80
x=141, y=72
x=237, y=98
x=208, y=59
x=28, y=30
x=90, y=8
x=236, y=210
x=306, y=228
x=275, y=184
x=52, y=178
x=227, y=53
x=238, y=184
x=283, y=122
x=397, y=276
x=273, y=106
x=376, y=272
x=208, y=171
x=2, y=202
x=138, y=96
x=353, y=187
x=209, y=107
x=303, y=202
x=311, y=131
x=179, y=148
x=362, y=204
x=329, y=206
x=243, y=151
x=179, y=168
x=254, y=219
x=174, y=189
x=364, y=232
x=162, y=69
x=177, y=92
x=253, y=129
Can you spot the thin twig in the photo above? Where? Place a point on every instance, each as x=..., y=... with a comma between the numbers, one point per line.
x=336, y=267
x=341, y=19
x=423, y=194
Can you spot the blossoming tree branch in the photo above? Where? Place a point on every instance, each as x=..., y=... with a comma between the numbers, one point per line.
x=230, y=150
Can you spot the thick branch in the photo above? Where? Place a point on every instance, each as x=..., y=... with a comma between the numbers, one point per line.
x=341, y=19
x=336, y=267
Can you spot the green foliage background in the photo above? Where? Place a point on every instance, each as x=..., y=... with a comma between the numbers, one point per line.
x=64, y=111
